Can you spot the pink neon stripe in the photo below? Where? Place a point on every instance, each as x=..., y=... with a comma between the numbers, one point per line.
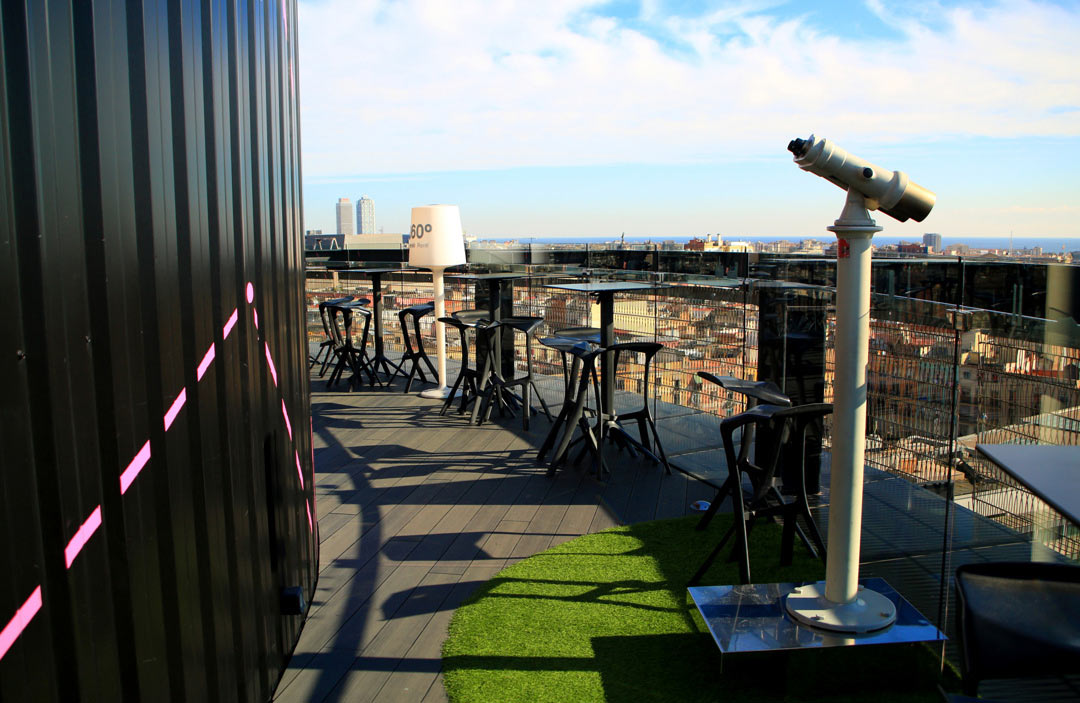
x=269, y=360
x=133, y=469
x=230, y=324
x=24, y=615
x=82, y=536
x=205, y=363
x=285, y=414
x=250, y=292
x=299, y=471
x=310, y=522
x=255, y=316
x=174, y=410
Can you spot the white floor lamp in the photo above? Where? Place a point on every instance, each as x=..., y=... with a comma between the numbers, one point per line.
x=840, y=603
x=436, y=242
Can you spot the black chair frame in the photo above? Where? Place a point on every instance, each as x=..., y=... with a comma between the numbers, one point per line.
x=582, y=376
x=755, y=392
x=764, y=499
x=326, y=347
x=468, y=378
x=414, y=354
x=349, y=355
x=495, y=389
x=643, y=416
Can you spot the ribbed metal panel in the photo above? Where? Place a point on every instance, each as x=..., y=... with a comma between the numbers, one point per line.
x=149, y=172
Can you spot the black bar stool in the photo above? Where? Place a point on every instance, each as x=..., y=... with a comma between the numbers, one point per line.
x=643, y=416
x=468, y=378
x=584, y=334
x=497, y=388
x=755, y=392
x=326, y=347
x=416, y=354
x=348, y=354
x=764, y=499
x=582, y=375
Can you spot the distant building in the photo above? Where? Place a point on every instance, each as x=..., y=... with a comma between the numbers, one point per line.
x=709, y=243
x=815, y=246
x=343, y=242
x=312, y=232
x=911, y=248
x=344, y=217
x=933, y=241
x=365, y=215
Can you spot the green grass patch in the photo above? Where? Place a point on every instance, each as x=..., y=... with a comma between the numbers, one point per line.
x=606, y=617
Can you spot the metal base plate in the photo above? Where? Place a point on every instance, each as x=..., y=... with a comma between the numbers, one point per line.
x=436, y=393
x=868, y=612
x=753, y=618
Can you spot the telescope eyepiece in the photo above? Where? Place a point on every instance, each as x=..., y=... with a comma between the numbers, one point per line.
x=798, y=147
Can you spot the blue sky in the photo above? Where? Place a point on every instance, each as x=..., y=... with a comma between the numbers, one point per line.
x=581, y=118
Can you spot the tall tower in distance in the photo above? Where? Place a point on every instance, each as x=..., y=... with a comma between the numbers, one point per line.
x=933, y=241
x=365, y=215
x=344, y=217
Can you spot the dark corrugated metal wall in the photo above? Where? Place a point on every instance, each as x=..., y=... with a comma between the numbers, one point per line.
x=156, y=459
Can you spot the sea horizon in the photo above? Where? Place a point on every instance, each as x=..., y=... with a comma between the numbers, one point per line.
x=1048, y=244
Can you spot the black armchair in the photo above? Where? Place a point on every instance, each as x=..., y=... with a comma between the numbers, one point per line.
x=1017, y=620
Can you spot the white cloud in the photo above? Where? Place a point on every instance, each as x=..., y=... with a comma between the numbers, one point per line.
x=418, y=85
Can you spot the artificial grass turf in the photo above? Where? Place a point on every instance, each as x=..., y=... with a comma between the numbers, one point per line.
x=607, y=617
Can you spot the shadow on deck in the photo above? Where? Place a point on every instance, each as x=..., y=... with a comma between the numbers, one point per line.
x=416, y=510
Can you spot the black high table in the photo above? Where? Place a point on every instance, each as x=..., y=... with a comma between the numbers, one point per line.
x=500, y=304
x=376, y=274
x=605, y=295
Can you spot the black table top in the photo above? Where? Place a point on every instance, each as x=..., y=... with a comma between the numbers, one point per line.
x=1048, y=471
x=606, y=286
x=500, y=276
x=707, y=282
x=385, y=270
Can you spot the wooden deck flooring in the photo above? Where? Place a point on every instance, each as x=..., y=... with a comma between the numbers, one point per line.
x=415, y=511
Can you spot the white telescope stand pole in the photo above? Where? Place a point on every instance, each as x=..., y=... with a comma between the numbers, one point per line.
x=842, y=605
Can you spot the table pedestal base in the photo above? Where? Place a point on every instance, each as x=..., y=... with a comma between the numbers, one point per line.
x=440, y=393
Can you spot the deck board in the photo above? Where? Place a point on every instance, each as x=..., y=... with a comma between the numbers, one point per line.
x=415, y=511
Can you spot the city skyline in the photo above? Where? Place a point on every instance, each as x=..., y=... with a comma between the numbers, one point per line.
x=590, y=119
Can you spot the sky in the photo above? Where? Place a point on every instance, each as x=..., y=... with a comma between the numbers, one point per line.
x=671, y=118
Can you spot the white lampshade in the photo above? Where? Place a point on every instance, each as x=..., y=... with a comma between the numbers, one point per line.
x=435, y=238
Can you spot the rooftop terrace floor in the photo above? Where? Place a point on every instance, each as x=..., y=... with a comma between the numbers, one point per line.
x=416, y=510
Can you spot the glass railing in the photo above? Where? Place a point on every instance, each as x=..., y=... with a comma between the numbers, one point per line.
x=941, y=377
x=1010, y=287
